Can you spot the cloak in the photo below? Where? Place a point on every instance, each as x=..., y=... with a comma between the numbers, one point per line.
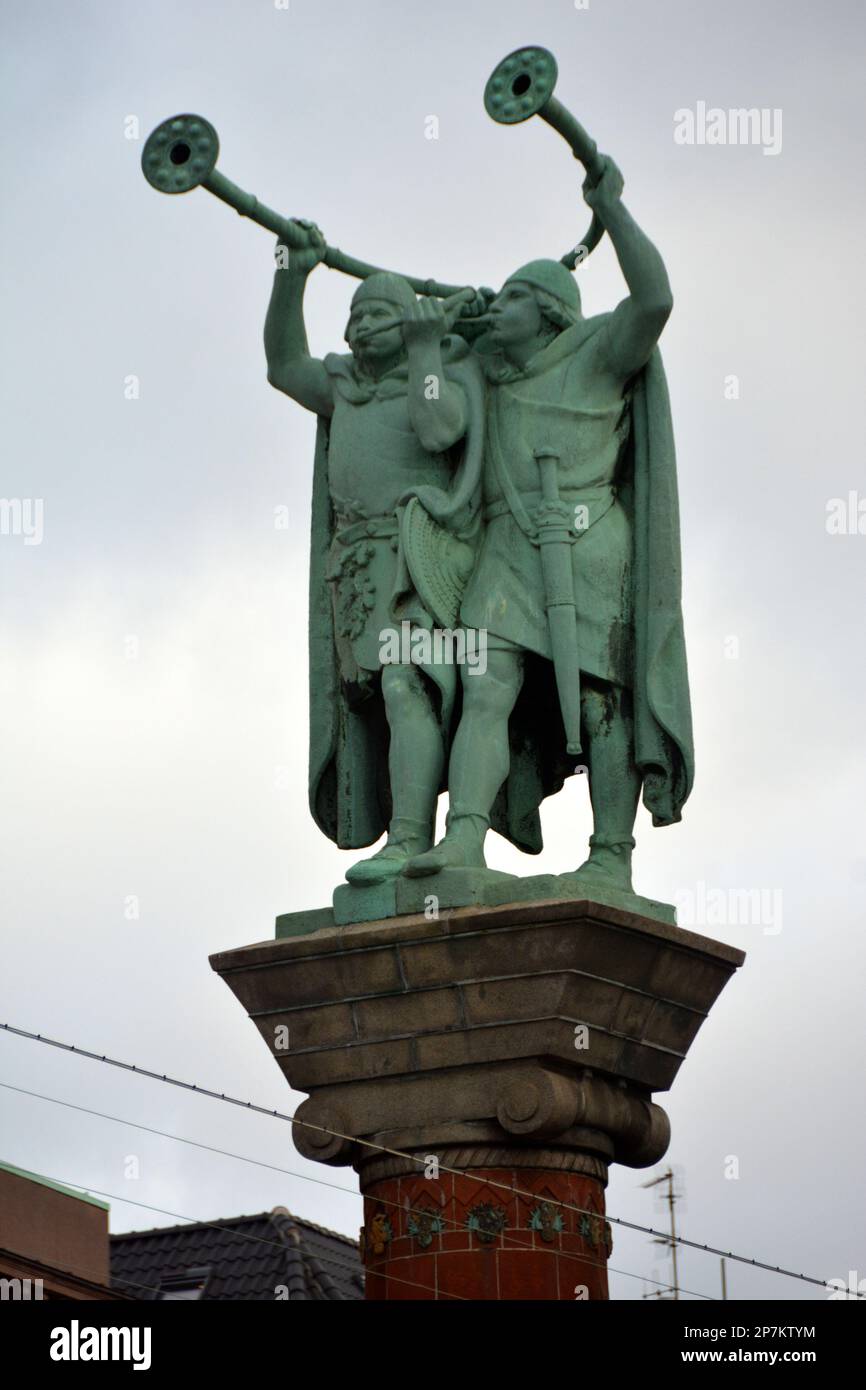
x=646, y=486
x=349, y=792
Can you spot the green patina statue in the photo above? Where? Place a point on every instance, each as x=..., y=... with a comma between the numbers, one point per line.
x=400, y=420
x=577, y=431
x=574, y=591
x=494, y=494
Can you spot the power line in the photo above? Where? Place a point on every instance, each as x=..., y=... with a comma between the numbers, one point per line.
x=277, y=1114
x=398, y=1153
x=213, y=1225
x=322, y=1182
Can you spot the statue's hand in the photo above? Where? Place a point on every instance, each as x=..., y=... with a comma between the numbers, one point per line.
x=425, y=323
x=471, y=320
x=309, y=251
x=607, y=191
x=478, y=305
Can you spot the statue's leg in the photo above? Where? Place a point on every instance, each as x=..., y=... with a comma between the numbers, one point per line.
x=415, y=765
x=614, y=783
x=479, y=763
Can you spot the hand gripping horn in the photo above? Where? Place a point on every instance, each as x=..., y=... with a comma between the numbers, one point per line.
x=181, y=154
x=522, y=86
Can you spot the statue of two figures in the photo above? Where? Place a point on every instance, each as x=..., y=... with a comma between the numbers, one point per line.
x=495, y=574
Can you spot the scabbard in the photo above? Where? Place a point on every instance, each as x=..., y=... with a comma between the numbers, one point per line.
x=555, y=547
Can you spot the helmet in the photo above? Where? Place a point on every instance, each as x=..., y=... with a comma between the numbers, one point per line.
x=554, y=279
x=393, y=289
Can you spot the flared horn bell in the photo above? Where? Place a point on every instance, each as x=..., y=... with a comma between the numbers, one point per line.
x=180, y=154
x=520, y=85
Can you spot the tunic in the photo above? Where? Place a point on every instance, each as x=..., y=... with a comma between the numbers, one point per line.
x=550, y=406
x=374, y=457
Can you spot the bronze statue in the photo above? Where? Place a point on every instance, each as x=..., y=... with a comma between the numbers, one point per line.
x=562, y=444
x=498, y=470
x=384, y=438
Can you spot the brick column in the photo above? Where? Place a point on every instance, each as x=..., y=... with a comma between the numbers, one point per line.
x=464, y=1236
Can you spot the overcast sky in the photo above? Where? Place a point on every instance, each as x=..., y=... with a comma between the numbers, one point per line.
x=152, y=655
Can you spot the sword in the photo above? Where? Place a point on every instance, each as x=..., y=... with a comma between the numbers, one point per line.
x=555, y=539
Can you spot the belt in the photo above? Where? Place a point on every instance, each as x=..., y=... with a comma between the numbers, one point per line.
x=590, y=497
x=374, y=526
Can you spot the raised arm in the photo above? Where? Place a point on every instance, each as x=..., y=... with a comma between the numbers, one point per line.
x=437, y=408
x=290, y=367
x=637, y=322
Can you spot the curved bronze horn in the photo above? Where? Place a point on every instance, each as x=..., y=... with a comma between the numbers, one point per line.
x=181, y=154
x=522, y=86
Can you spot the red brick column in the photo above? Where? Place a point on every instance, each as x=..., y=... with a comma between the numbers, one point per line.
x=461, y=1236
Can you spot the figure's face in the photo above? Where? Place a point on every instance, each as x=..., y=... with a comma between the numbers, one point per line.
x=515, y=318
x=379, y=347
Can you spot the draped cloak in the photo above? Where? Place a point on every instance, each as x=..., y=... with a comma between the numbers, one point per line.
x=348, y=773
x=651, y=660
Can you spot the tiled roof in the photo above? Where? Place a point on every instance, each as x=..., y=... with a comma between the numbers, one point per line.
x=268, y=1257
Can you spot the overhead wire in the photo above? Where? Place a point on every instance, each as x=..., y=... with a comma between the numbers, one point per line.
x=322, y=1182
x=398, y=1153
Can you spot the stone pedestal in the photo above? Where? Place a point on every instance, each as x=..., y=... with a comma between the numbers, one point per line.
x=480, y=1070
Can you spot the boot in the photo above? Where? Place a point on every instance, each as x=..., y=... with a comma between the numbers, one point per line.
x=461, y=848
x=609, y=862
x=406, y=837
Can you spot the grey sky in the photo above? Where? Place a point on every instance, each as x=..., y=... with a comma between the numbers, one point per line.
x=180, y=776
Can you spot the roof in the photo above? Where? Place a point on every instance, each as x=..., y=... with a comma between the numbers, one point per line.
x=271, y=1256
x=57, y=1186
x=60, y=1283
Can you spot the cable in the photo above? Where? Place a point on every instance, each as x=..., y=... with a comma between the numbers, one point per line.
x=322, y=1182
x=398, y=1153
x=277, y=1114
x=213, y=1225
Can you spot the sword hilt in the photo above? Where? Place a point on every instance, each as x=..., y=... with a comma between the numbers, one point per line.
x=547, y=461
